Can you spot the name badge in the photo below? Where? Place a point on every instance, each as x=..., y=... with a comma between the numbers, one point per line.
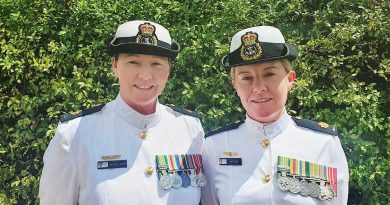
x=230, y=161
x=112, y=164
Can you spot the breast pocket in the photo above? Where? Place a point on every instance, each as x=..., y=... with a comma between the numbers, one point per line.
x=189, y=195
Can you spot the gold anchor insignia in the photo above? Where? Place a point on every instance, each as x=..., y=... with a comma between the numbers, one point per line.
x=323, y=125
x=298, y=117
x=75, y=113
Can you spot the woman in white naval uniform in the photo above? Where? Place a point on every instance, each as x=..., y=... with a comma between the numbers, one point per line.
x=107, y=154
x=271, y=158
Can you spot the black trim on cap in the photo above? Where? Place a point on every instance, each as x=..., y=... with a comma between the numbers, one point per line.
x=128, y=45
x=126, y=40
x=270, y=51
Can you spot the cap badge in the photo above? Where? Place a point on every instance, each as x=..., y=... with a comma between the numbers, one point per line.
x=146, y=34
x=250, y=47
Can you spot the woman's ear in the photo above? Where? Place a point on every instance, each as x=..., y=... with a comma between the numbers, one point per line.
x=291, y=78
x=114, y=66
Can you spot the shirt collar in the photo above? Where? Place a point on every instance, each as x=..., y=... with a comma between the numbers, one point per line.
x=135, y=118
x=268, y=129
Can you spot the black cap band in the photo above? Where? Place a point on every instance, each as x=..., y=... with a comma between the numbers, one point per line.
x=270, y=51
x=129, y=45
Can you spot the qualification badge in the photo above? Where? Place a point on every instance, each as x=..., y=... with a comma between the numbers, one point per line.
x=146, y=34
x=250, y=47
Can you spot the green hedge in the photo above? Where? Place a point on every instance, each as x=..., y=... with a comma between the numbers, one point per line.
x=53, y=61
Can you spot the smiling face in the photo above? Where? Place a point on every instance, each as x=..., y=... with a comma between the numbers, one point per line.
x=142, y=78
x=263, y=89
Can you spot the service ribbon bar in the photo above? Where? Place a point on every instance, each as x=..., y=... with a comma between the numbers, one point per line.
x=188, y=167
x=322, y=179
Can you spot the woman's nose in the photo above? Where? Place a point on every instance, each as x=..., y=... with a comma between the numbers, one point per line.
x=145, y=75
x=259, y=87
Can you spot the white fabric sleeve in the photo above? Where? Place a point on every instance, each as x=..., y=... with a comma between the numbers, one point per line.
x=209, y=192
x=58, y=183
x=340, y=161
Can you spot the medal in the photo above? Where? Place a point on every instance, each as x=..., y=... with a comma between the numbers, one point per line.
x=166, y=182
x=184, y=166
x=186, y=181
x=162, y=166
x=314, y=189
x=174, y=167
x=331, y=194
x=325, y=192
x=295, y=186
x=202, y=181
x=295, y=170
x=283, y=182
x=176, y=180
x=304, y=188
x=193, y=178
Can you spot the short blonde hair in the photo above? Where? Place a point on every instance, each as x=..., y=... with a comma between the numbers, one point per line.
x=285, y=62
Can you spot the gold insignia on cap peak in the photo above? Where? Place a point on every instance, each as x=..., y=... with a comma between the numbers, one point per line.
x=323, y=125
x=146, y=34
x=250, y=47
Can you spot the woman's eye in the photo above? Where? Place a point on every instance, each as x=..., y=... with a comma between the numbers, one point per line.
x=156, y=64
x=133, y=62
x=269, y=74
x=246, y=78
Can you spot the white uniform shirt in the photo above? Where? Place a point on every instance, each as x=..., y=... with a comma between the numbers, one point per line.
x=244, y=184
x=70, y=174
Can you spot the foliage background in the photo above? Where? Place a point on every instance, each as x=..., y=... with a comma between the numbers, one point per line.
x=53, y=61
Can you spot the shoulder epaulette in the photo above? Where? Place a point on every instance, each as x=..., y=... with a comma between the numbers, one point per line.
x=184, y=111
x=85, y=112
x=224, y=128
x=317, y=126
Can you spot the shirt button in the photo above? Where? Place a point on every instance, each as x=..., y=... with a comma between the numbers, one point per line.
x=265, y=143
x=143, y=134
x=266, y=178
x=148, y=170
